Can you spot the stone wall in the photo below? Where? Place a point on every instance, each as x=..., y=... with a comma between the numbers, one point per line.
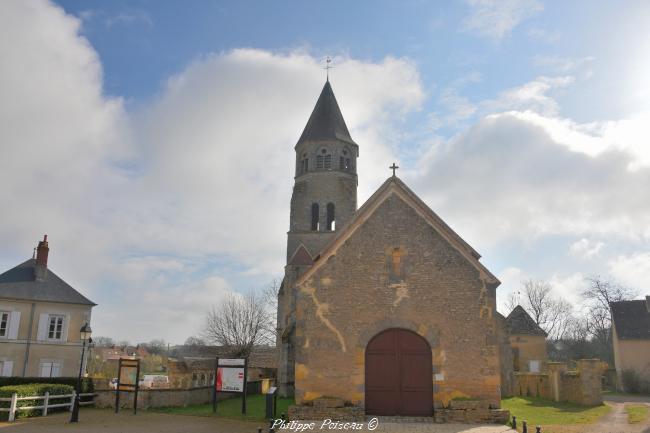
x=582, y=386
x=158, y=397
x=439, y=295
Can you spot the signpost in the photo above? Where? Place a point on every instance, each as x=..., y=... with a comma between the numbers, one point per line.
x=128, y=374
x=230, y=375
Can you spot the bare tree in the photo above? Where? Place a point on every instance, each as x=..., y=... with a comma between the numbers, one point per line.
x=552, y=313
x=103, y=341
x=599, y=294
x=194, y=341
x=239, y=323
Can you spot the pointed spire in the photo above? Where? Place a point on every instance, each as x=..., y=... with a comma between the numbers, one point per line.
x=326, y=121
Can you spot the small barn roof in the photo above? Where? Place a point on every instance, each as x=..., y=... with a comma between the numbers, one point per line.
x=519, y=322
x=632, y=319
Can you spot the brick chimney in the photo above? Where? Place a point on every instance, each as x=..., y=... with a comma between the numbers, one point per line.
x=42, y=251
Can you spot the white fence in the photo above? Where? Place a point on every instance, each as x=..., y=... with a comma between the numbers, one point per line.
x=13, y=408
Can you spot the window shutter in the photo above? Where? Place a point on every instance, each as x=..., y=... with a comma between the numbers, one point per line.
x=7, y=368
x=14, y=325
x=42, y=326
x=64, y=333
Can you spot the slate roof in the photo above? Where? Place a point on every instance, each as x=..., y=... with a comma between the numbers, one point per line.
x=632, y=319
x=301, y=257
x=19, y=283
x=326, y=121
x=520, y=322
x=260, y=357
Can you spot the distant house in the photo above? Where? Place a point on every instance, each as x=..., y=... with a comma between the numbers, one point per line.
x=528, y=341
x=631, y=336
x=193, y=366
x=40, y=318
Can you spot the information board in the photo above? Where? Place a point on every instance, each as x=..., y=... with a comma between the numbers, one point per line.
x=127, y=381
x=230, y=376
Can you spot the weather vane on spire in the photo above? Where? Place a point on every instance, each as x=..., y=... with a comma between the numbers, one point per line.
x=328, y=66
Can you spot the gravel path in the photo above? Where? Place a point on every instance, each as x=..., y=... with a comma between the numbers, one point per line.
x=105, y=421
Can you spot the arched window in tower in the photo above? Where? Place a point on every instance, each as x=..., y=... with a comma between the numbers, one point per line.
x=304, y=164
x=344, y=161
x=331, y=219
x=324, y=160
x=314, y=216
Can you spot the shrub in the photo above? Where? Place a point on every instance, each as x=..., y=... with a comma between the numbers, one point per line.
x=634, y=383
x=32, y=390
x=87, y=384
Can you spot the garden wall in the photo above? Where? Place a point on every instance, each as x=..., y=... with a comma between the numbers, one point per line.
x=582, y=386
x=159, y=397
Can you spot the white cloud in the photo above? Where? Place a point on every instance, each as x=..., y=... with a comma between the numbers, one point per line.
x=561, y=64
x=495, y=19
x=586, y=248
x=512, y=279
x=164, y=206
x=633, y=270
x=509, y=178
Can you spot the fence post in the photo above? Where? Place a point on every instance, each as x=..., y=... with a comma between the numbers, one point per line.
x=46, y=401
x=74, y=394
x=524, y=427
x=538, y=429
x=514, y=422
x=12, y=408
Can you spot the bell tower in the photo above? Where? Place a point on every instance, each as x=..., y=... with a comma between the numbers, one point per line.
x=325, y=190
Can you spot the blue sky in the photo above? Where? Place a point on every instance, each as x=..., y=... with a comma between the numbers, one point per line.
x=145, y=136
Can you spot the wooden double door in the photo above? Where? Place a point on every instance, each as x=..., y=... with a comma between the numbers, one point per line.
x=399, y=378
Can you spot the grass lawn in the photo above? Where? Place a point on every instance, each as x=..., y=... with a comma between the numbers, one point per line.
x=636, y=413
x=231, y=408
x=537, y=411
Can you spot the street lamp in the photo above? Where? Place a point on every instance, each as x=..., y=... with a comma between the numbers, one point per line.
x=85, y=337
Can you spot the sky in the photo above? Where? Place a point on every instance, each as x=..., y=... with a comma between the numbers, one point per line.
x=153, y=140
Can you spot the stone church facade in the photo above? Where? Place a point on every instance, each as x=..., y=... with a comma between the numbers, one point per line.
x=384, y=308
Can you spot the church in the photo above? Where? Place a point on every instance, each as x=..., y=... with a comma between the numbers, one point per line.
x=383, y=308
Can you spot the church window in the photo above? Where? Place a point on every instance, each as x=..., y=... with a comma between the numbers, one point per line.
x=344, y=163
x=314, y=216
x=324, y=160
x=331, y=220
x=304, y=166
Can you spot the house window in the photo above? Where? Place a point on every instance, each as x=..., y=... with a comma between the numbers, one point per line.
x=55, y=328
x=50, y=369
x=4, y=323
x=534, y=366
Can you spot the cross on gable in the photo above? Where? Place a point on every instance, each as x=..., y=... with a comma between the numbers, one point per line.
x=394, y=167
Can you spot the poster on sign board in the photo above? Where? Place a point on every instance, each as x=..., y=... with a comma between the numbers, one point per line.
x=230, y=379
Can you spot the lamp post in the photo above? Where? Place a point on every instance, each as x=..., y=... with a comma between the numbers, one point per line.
x=85, y=336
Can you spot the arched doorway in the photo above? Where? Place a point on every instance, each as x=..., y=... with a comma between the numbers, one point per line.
x=399, y=374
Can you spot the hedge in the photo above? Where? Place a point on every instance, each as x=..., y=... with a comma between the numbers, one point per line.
x=87, y=384
x=31, y=390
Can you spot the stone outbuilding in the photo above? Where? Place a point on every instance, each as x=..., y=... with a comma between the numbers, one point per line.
x=631, y=338
x=384, y=309
x=527, y=340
